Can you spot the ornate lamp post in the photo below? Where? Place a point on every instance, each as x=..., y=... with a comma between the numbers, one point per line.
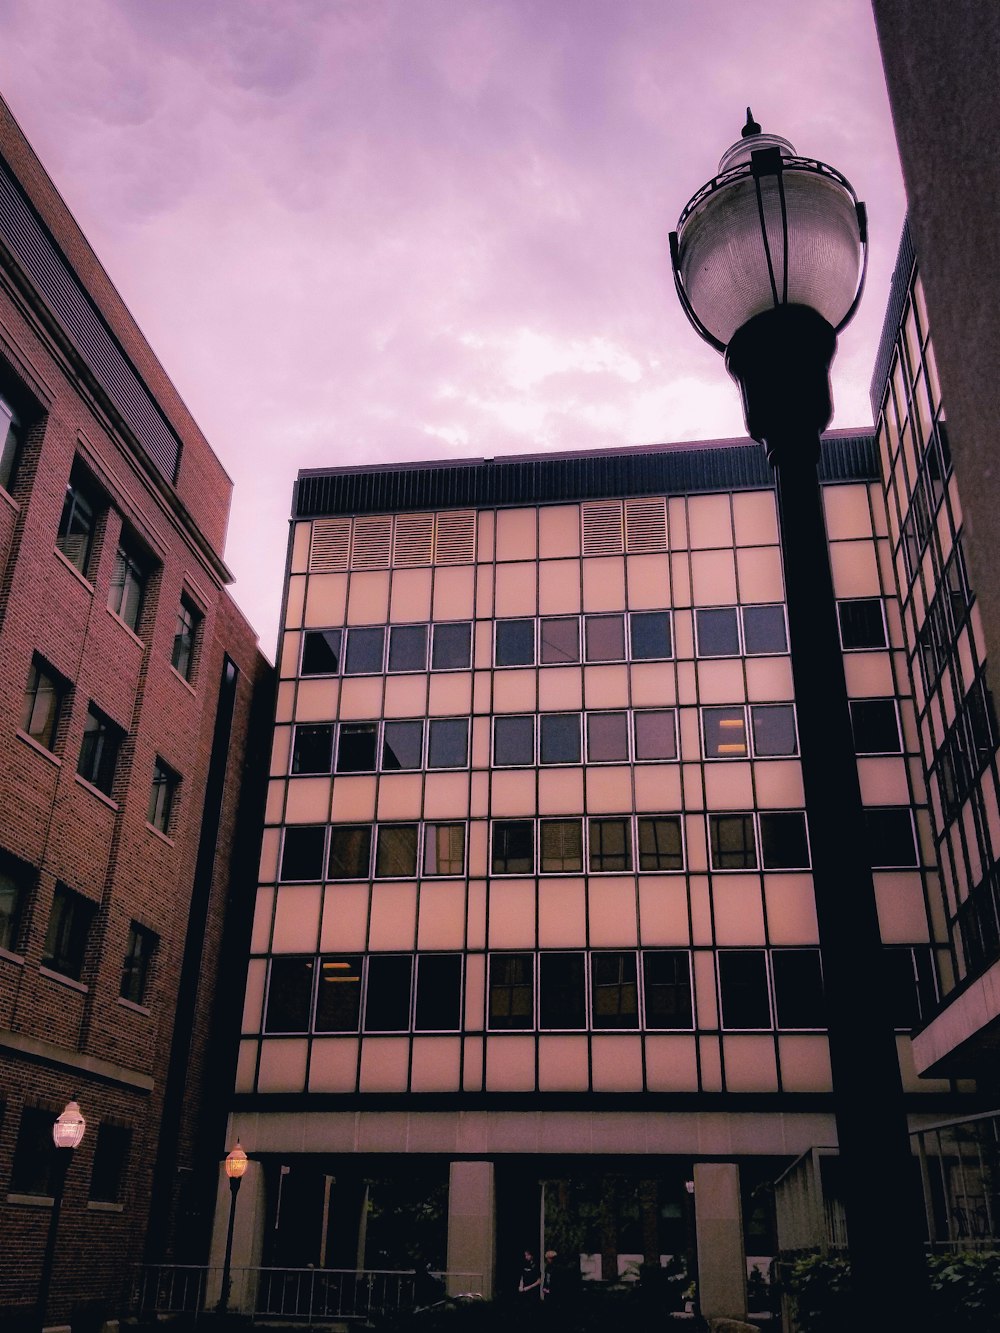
x=236, y=1164
x=67, y=1135
x=769, y=262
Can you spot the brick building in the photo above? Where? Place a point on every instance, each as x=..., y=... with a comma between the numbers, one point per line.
x=128, y=682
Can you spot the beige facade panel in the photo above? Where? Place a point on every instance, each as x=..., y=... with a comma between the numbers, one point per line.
x=608, y=790
x=791, y=909
x=436, y=1064
x=516, y=590
x=454, y=593
x=275, y=803
x=326, y=601
x=560, y=689
x=441, y=919
x=475, y=992
x=253, y=1001
x=512, y=914
x=516, y=534
x=758, y=574
x=709, y=521
x=484, y=598
x=288, y=658
x=562, y=914
x=671, y=1064
x=282, y=1064
x=270, y=842
x=514, y=691
x=720, y=682
x=612, y=907
x=353, y=799
x=410, y=596
x=560, y=587
x=884, y=781
x=657, y=788
x=563, y=1064
x=345, y=918
x=616, y=1063
x=653, y=684
x=847, y=513
x=315, y=701
x=385, y=1064
x=308, y=800
x=663, y=911
x=333, y=1064
x=450, y=695
x=260, y=935
x=779, y=784
x=705, y=1003
x=769, y=678
x=605, y=687
x=901, y=912
x=560, y=791
x=805, y=1064
x=702, y=928
x=604, y=583
x=558, y=531
x=750, y=1064
x=710, y=1062
x=739, y=910
x=246, y=1067
x=510, y=1064
x=855, y=569
x=869, y=675
x=400, y=796
x=361, y=697
x=280, y=751
x=393, y=923
x=405, y=696
x=301, y=537
x=368, y=597
x=296, y=918
x=728, y=785
x=513, y=793
x=295, y=596
x=648, y=581
x=475, y=925
x=713, y=578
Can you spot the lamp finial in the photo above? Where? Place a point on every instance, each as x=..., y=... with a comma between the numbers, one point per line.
x=751, y=127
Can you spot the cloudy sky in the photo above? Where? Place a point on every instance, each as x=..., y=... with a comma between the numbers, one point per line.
x=360, y=231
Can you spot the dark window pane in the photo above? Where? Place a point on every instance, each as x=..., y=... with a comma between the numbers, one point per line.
x=610, y=844
x=512, y=998
x=302, y=852
x=138, y=961
x=338, y=995
x=764, y=629
x=876, y=726
x=396, y=851
x=560, y=738
x=733, y=843
x=515, y=645
x=11, y=431
x=607, y=737
x=513, y=847
x=798, y=988
x=909, y=985
x=718, y=632
x=128, y=583
x=402, y=745
x=655, y=734
x=312, y=750
x=448, y=743
x=68, y=932
x=861, y=623
x=439, y=993
x=605, y=638
x=660, y=846
x=76, y=525
x=110, y=1157
x=162, y=793
x=320, y=652
x=666, y=975
x=514, y=740
x=773, y=729
x=890, y=837
x=350, y=851
x=43, y=696
x=783, y=842
x=186, y=637
x=743, y=988
x=289, y=995
x=387, y=998
x=99, y=750
x=444, y=849
x=356, y=747
x=614, y=990
x=560, y=639
x=408, y=648
x=14, y=882
x=561, y=990
x=364, y=651
x=452, y=646
x=725, y=733
x=650, y=635
x=561, y=846
x=34, y=1153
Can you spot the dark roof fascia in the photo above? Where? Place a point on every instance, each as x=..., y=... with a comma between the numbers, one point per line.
x=898, y=289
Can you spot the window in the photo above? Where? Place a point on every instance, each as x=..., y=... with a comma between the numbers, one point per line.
x=448, y=742
x=773, y=729
x=68, y=932
x=302, y=852
x=402, y=745
x=733, y=842
x=78, y=520
x=798, y=988
x=783, y=841
x=312, y=748
x=666, y=985
x=34, y=1153
x=43, y=699
x=356, y=747
x=10, y=440
x=365, y=647
x=559, y=739
x=559, y=639
x=614, y=990
x=350, y=851
x=875, y=723
x=655, y=734
x=862, y=623
x=408, y=648
x=513, y=847
x=515, y=643
x=910, y=985
x=743, y=989
x=396, y=851
x=890, y=837
x=610, y=845
x=111, y=1151
x=13, y=896
x=561, y=991
x=607, y=737
x=604, y=637
x=512, y=992
x=387, y=996
x=451, y=647
x=561, y=846
x=102, y=740
x=162, y=794
x=138, y=961
x=718, y=632
x=128, y=584
x=764, y=630
x=186, y=639
x=320, y=652
x=660, y=846
x=725, y=731
x=650, y=635
x=439, y=992
x=514, y=740
x=338, y=994
x=289, y=994
x=444, y=849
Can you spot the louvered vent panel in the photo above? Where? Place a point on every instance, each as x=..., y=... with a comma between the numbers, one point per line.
x=645, y=525
x=455, y=538
x=330, y=546
x=602, y=528
x=372, y=541
x=413, y=539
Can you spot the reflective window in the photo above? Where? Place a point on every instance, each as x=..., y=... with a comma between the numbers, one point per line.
x=610, y=844
x=10, y=440
x=356, y=747
x=773, y=728
x=350, y=851
x=875, y=723
x=128, y=585
x=302, y=852
x=448, y=742
x=444, y=849
x=604, y=637
x=312, y=748
x=402, y=745
x=666, y=985
x=798, y=988
x=514, y=740
x=408, y=648
x=320, y=652
x=396, y=851
x=513, y=847
x=102, y=740
x=68, y=932
x=614, y=990
x=43, y=703
x=655, y=734
x=387, y=996
x=289, y=994
x=515, y=643
x=451, y=648
x=733, y=842
x=561, y=991
x=512, y=992
x=111, y=1150
x=78, y=521
x=783, y=842
x=660, y=845
x=561, y=846
x=338, y=994
x=162, y=794
x=14, y=887
x=559, y=740
x=743, y=990
x=718, y=631
x=891, y=840
x=650, y=635
x=559, y=639
x=137, y=964
x=764, y=630
x=439, y=992
x=862, y=623
x=607, y=737
x=365, y=646
x=725, y=733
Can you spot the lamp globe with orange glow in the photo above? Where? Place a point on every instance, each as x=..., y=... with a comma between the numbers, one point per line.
x=236, y=1163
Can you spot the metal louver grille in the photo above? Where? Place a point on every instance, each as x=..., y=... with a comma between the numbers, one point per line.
x=455, y=538
x=602, y=528
x=645, y=525
x=413, y=539
x=372, y=542
x=330, y=545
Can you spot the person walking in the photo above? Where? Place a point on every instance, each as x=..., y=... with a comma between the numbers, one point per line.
x=530, y=1283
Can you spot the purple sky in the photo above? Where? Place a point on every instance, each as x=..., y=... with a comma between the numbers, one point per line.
x=360, y=231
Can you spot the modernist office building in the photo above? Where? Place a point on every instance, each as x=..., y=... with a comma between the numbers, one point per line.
x=535, y=912
x=127, y=677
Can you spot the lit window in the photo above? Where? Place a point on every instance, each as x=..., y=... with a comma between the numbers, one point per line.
x=513, y=847
x=660, y=845
x=610, y=845
x=68, y=932
x=604, y=637
x=137, y=964
x=607, y=737
x=408, y=648
x=444, y=849
x=102, y=740
x=514, y=740
x=875, y=723
x=438, y=1005
x=111, y=1151
x=614, y=990
x=289, y=994
x=402, y=745
x=302, y=852
x=161, y=796
x=396, y=851
x=666, y=985
x=387, y=995
x=562, y=992
x=515, y=643
x=312, y=748
x=743, y=989
x=559, y=639
x=655, y=734
x=733, y=842
x=320, y=652
x=798, y=988
x=78, y=521
x=365, y=647
x=451, y=648
x=128, y=585
x=862, y=623
x=350, y=851
x=448, y=742
x=356, y=747
x=186, y=638
x=725, y=733
x=559, y=739
x=512, y=992
x=338, y=994
x=561, y=846
x=42, y=707
x=650, y=635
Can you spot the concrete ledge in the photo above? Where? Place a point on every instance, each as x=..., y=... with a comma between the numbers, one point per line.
x=47, y=1052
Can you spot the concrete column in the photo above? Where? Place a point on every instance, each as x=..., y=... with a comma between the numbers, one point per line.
x=248, y=1240
x=471, y=1227
x=722, y=1267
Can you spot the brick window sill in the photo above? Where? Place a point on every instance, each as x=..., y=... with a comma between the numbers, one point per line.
x=186, y=683
x=127, y=628
x=15, y=958
x=31, y=1200
x=69, y=982
x=38, y=747
x=133, y=1007
x=81, y=578
x=96, y=791
x=158, y=833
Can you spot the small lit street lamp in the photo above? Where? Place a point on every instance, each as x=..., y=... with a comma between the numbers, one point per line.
x=769, y=262
x=236, y=1164
x=67, y=1134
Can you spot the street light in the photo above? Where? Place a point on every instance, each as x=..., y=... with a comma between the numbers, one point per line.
x=67, y=1135
x=769, y=262
x=236, y=1164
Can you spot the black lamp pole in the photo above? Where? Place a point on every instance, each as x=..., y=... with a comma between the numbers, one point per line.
x=67, y=1134
x=236, y=1164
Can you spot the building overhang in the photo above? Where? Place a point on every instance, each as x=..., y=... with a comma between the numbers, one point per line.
x=965, y=1036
